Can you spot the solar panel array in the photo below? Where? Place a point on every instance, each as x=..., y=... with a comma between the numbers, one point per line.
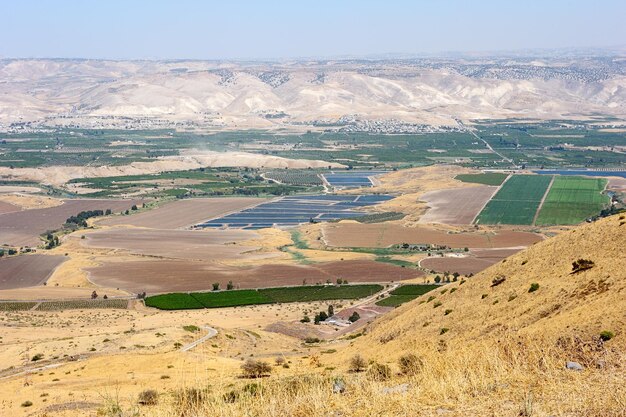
x=294, y=210
x=351, y=179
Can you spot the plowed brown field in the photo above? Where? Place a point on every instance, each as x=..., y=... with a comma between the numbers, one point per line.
x=22, y=228
x=183, y=213
x=183, y=244
x=155, y=276
x=457, y=205
x=27, y=270
x=7, y=208
x=381, y=235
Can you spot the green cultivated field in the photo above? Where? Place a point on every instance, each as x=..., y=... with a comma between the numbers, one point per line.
x=572, y=199
x=489, y=178
x=405, y=294
x=182, y=301
x=517, y=201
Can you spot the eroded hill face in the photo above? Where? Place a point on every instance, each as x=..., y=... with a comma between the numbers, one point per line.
x=349, y=93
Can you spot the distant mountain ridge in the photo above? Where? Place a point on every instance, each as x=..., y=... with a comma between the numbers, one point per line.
x=431, y=92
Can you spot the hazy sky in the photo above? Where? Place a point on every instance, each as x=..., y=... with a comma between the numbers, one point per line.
x=230, y=29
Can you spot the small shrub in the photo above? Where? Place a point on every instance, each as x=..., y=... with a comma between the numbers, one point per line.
x=279, y=361
x=444, y=330
x=482, y=297
x=216, y=286
x=255, y=369
x=533, y=287
x=27, y=403
x=437, y=304
x=165, y=377
x=191, y=328
x=410, y=364
x=452, y=290
x=354, y=317
x=379, y=372
x=148, y=397
x=357, y=364
x=606, y=335
x=189, y=399
x=581, y=265
x=448, y=311
x=311, y=340
x=512, y=297
x=498, y=280
x=37, y=357
x=431, y=298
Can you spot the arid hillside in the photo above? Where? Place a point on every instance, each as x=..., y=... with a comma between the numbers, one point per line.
x=222, y=94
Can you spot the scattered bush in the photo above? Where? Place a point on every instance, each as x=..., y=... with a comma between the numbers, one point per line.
x=27, y=403
x=311, y=340
x=482, y=297
x=448, y=311
x=148, y=397
x=189, y=400
x=379, y=372
x=37, y=357
x=216, y=286
x=443, y=330
x=437, y=304
x=357, y=364
x=410, y=364
x=533, y=287
x=255, y=369
x=581, y=265
x=191, y=328
x=305, y=319
x=606, y=335
x=498, y=280
x=354, y=317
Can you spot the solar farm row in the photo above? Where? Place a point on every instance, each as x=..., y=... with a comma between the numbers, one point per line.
x=294, y=210
x=351, y=179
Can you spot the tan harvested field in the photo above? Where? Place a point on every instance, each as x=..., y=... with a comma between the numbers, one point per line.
x=23, y=228
x=8, y=207
x=27, y=270
x=476, y=262
x=379, y=235
x=457, y=205
x=183, y=244
x=183, y=213
x=156, y=276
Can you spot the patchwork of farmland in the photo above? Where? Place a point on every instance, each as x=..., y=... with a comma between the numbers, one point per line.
x=569, y=200
x=294, y=210
x=351, y=179
x=517, y=201
x=572, y=199
x=232, y=298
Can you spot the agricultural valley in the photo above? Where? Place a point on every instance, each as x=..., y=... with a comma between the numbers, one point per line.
x=338, y=238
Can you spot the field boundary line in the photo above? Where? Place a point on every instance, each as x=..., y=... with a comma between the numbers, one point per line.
x=543, y=199
x=490, y=198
